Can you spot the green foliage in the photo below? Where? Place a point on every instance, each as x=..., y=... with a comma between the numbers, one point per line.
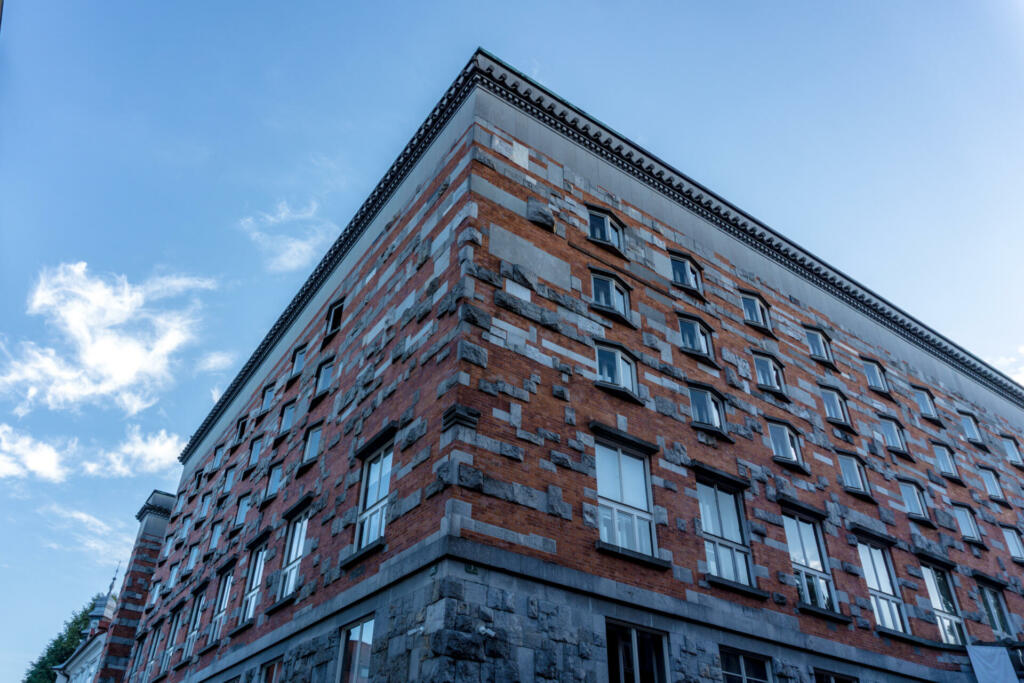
x=61, y=647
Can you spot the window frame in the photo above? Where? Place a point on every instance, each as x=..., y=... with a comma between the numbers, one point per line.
x=317, y=429
x=893, y=600
x=1016, y=552
x=775, y=371
x=267, y=398
x=216, y=531
x=986, y=591
x=281, y=428
x=975, y=535
x=242, y=508
x=255, y=451
x=338, y=307
x=240, y=427
x=253, y=583
x=945, y=619
x=792, y=440
x=229, y=480
x=616, y=286
x=298, y=359
x=692, y=268
x=882, y=385
x=843, y=421
x=375, y=512
x=805, y=573
x=999, y=495
x=826, y=344
x=194, y=620
x=218, y=455
x=936, y=448
x=897, y=431
x=612, y=226
x=361, y=651
x=703, y=333
x=272, y=489
x=1010, y=443
x=220, y=606
x=764, y=320
x=294, y=552
x=660, y=667
x=324, y=375
x=742, y=657
x=967, y=419
x=918, y=497
x=717, y=408
x=173, y=627
x=861, y=471
x=719, y=543
x=933, y=413
x=617, y=507
x=622, y=357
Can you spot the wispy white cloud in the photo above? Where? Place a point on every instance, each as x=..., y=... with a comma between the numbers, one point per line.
x=22, y=455
x=215, y=394
x=83, y=532
x=215, y=361
x=289, y=238
x=1012, y=365
x=138, y=454
x=117, y=344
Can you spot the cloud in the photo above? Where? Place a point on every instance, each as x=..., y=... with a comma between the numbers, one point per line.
x=215, y=394
x=137, y=454
x=215, y=361
x=289, y=238
x=21, y=455
x=117, y=344
x=106, y=544
x=1012, y=365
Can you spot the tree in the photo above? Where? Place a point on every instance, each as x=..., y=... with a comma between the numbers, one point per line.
x=60, y=647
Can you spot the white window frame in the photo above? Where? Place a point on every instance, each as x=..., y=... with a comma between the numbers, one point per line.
x=614, y=657
x=216, y=531
x=861, y=473
x=175, y=625
x=218, y=455
x=721, y=551
x=785, y=442
x=613, y=511
x=1012, y=449
x=229, y=479
x=763, y=318
x=875, y=375
x=255, y=450
x=968, y=525
x=618, y=292
x=896, y=434
x=714, y=404
x=293, y=555
x=913, y=499
x=324, y=376
x=172, y=575
x=220, y=606
x=693, y=279
x=992, y=486
x=373, y=497
x=285, y=409
x=362, y=634
x=702, y=336
x=192, y=558
x=195, y=617
x=204, y=505
x=307, y=455
x=945, y=458
x=624, y=366
x=813, y=582
x=154, y=650
x=298, y=359
x=824, y=341
x=743, y=676
x=240, y=428
x=970, y=426
x=991, y=599
x=950, y=623
x=611, y=228
x=272, y=489
x=1014, y=545
x=766, y=367
x=926, y=406
x=840, y=401
x=267, y=398
x=338, y=307
x=253, y=583
x=886, y=601
x=242, y=511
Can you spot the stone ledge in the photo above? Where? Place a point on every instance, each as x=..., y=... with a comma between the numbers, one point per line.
x=632, y=555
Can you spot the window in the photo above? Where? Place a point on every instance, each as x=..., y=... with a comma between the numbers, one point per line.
x=604, y=229
x=220, y=607
x=696, y=337
x=186, y=526
x=785, y=444
x=944, y=460
x=255, y=447
x=376, y=484
x=193, y=557
x=179, y=503
x=835, y=406
x=218, y=456
x=1013, y=543
x=254, y=583
x=965, y=520
x=755, y=311
x=610, y=294
x=154, y=593
x=769, y=373
x=885, y=601
x=215, y=534
x=154, y=646
x=739, y=667
x=240, y=429
x=229, y=479
x=809, y=563
x=925, y=403
x=913, y=499
x=829, y=677
x=271, y=672
x=355, y=653
x=970, y=426
x=819, y=345
x=267, y=399
x=875, y=375
x=323, y=376
x=192, y=635
x=623, y=492
x=204, y=505
x=287, y=417
x=243, y=510
x=991, y=480
x=172, y=576
x=168, y=544
x=635, y=655
x=721, y=519
x=1012, y=451
x=686, y=273
x=706, y=409
x=995, y=610
x=334, y=317
x=293, y=555
x=892, y=433
x=298, y=360
x=853, y=473
x=615, y=367
x=312, y=447
x=172, y=637
x=273, y=481
x=947, y=614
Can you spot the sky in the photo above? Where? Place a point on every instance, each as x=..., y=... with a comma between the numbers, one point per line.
x=171, y=172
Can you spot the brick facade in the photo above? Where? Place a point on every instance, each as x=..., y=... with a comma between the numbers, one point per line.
x=466, y=348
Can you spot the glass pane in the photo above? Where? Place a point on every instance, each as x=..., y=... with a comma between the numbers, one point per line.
x=814, y=342
x=708, y=510
x=650, y=657
x=626, y=373
x=606, y=524
x=619, y=302
x=868, y=566
x=727, y=508
x=731, y=663
x=711, y=555
x=742, y=575
x=688, y=331
x=608, y=485
x=881, y=571
x=598, y=227
x=634, y=483
x=643, y=536
x=756, y=668
x=750, y=310
x=615, y=236
x=794, y=541
x=385, y=476
x=626, y=532
x=832, y=406
x=811, y=546
x=701, y=405
x=620, y=654
x=727, y=565
x=763, y=367
x=606, y=365
x=602, y=292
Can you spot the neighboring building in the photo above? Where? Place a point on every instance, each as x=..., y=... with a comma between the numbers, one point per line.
x=84, y=663
x=550, y=410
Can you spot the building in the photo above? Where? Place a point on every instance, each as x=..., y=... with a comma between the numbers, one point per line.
x=84, y=663
x=550, y=410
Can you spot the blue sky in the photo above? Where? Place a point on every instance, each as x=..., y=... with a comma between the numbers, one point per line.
x=170, y=172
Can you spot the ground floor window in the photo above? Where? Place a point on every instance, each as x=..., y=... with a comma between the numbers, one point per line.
x=828, y=677
x=635, y=655
x=355, y=652
x=741, y=667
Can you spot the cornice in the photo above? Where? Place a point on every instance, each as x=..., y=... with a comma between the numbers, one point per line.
x=519, y=91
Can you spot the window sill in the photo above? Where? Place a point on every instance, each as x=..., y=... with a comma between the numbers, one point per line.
x=978, y=444
x=713, y=430
x=934, y=419
x=317, y=398
x=955, y=478
x=774, y=391
x=305, y=465
x=328, y=337
x=760, y=327
x=240, y=628
x=921, y=519
x=901, y=453
x=614, y=313
x=1018, y=560
x=794, y=465
x=825, y=362
x=841, y=424
x=181, y=665
x=1001, y=501
x=822, y=613
x=363, y=553
x=701, y=357
x=691, y=290
x=280, y=604
x=209, y=647
x=159, y=677
x=976, y=542
x=626, y=553
x=884, y=393
x=616, y=390
x=607, y=246
x=915, y=640
x=267, y=500
x=281, y=436
x=736, y=587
